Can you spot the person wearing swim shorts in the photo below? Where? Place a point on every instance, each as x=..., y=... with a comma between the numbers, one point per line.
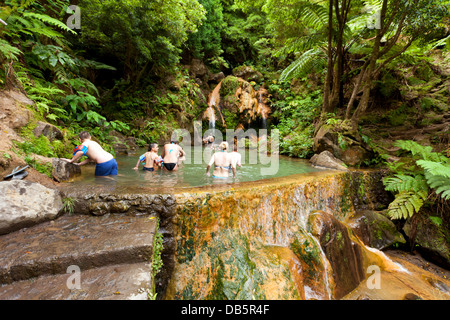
x=106, y=164
x=150, y=159
x=222, y=161
x=171, y=155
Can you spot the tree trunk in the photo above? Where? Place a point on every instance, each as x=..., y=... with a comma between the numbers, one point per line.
x=326, y=107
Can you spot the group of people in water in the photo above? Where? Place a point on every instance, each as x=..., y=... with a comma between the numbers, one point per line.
x=172, y=156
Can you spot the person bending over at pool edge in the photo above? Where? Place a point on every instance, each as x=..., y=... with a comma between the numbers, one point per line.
x=150, y=159
x=106, y=164
x=171, y=155
x=222, y=161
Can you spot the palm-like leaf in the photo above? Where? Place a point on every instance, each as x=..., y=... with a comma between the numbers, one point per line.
x=307, y=61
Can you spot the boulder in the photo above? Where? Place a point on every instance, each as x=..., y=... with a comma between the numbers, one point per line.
x=122, y=144
x=25, y=204
x=63, y=170
x=48, y=130
x=12, y=111
x=432, y=239
x=217, y=77
x=327, y=160
x=345, y=256
x=344, y=142
x=247, y=73
x=375, y=229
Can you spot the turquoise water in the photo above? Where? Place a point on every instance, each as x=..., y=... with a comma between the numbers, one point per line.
x=192, y=172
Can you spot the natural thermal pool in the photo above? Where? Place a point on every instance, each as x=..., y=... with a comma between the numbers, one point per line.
x=192, y=172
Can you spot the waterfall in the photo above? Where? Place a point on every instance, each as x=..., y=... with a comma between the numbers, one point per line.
x=213, y=106
x=211, y=117
x=262, y=110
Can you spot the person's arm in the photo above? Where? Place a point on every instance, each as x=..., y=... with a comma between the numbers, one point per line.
x=141, y=159
x=75, y=158
x=137, y=165
x=86, y=161
x=211, y=162
x=233, y=165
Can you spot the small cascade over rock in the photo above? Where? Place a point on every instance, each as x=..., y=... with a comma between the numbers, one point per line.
x=237, y=104
x=214, y=108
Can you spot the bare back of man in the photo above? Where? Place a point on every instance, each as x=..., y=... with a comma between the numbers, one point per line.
x=96, y=153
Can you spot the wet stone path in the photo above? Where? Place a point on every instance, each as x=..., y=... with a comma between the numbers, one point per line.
x=79, y=257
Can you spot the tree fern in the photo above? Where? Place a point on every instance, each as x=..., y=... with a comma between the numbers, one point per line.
x=307, y=61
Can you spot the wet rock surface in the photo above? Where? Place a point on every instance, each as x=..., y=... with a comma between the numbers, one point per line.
x=327, y=160
x=35, y=260
x=116, y=282
x=63, y=170
x=25, y=204
x=375, y=229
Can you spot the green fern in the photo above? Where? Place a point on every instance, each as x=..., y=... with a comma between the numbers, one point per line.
x=406, y=204
x=417, y=150
x=414, y=179
x=49, y=20
x=402, y=183
x=437, y=176
x=8, y=51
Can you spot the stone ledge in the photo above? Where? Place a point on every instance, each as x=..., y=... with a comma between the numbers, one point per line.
x=88, y=242
x=116, y=282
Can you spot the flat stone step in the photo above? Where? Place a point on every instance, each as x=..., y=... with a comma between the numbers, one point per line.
x=118, y=282
x=84, y=241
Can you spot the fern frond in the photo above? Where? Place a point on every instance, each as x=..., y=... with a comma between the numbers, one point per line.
x=435, y=168
x=425, y=152
x=404, y=183
x=8, y=51
x=302, y=65
x=441, y=184
x=49, y=20
x=406, y=204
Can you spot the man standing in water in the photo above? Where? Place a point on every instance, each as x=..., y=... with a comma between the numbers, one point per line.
x=171, y=155
x=106, y=164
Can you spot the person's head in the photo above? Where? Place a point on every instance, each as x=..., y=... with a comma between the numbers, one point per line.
x=153, y=147
x=174, y=142
x=84, y=136
x=223, y=146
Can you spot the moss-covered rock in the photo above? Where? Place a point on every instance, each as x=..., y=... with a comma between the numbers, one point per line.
x=375, y=229
x=432, y=239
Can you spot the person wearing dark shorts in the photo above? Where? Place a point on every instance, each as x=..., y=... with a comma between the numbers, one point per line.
x=108, y=168
x=106, y=164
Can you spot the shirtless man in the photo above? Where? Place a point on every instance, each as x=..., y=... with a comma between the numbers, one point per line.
x=150, y=159
x=106, y=164
x=222, y=161
x=171, y=154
